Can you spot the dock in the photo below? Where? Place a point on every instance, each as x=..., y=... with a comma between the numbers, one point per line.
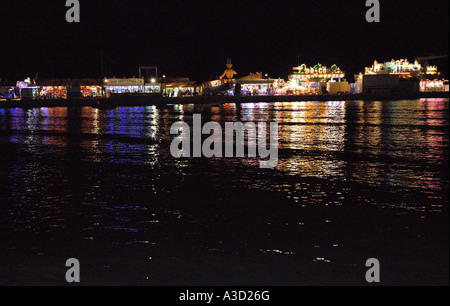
x=160, y=101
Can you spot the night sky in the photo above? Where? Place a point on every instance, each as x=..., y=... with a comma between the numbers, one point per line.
x=194, y=38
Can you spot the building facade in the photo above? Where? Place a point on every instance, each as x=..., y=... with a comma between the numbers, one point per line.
x=314, y=80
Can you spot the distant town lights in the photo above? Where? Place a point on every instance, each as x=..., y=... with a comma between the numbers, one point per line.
x=432, y=70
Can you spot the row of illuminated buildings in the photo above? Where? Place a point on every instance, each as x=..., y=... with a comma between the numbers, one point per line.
x=392, y=76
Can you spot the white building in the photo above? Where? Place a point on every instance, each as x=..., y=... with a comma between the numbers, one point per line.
x=130, y=85
x=400, y=67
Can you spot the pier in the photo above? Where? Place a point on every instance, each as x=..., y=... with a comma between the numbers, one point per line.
x=157, y=100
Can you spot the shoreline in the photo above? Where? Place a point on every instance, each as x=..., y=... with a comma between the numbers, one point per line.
x=146, y=100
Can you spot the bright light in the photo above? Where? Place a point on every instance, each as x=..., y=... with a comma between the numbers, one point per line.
x=153, y=81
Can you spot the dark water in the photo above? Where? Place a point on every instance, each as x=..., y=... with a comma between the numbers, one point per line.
x=355, y=180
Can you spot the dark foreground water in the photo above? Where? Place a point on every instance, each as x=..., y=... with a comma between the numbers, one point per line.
x=355, y=180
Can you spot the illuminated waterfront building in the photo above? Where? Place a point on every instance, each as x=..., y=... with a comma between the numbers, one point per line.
x=314, y=80
x=393, y=76
x=254, y=85
x=69, y=88
x=131, y=86
x=180, y=87
x=427, y=85
x=432, y=70
x=125, y=85
x=430, y=81
x=400, y=67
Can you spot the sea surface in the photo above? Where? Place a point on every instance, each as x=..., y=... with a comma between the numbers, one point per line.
x=355, y=180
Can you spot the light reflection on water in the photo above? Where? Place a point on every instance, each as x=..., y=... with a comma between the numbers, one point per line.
x=108, y=174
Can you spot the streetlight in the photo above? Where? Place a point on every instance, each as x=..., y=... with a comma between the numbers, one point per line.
x=163, y=84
